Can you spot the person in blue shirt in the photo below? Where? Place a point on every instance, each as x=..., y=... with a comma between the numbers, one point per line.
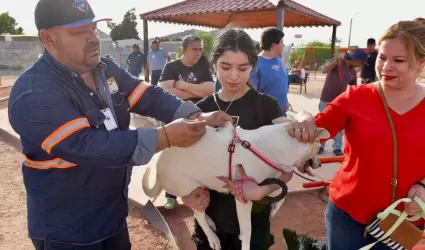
x=269, y=75
x=71, y=110
x=135, y=61
x=156, y=60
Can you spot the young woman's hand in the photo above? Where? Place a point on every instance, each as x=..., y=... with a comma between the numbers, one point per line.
x=251, y=191
x=198, y=199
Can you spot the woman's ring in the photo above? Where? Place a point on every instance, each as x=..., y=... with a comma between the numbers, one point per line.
x=303, y=130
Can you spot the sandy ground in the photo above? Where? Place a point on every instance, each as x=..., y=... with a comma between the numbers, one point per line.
x=302, y=211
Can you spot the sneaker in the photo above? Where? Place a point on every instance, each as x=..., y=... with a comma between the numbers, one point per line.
x=170, y=203
x=321, y=149
x=338, y=152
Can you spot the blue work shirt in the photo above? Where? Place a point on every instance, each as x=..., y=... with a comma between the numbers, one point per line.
x=157, y=59
x=269, y=76
x=76, y=172
x=137, y=61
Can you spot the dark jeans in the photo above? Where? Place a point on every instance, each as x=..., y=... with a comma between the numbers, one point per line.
x=155, y=75
x=344, y=233
x=120, y=241
x=294, y=78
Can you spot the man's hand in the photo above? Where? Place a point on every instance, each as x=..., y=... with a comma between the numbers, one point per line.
x=179, y=84
x=198, y=199
x=215, y=119
x=185, y=133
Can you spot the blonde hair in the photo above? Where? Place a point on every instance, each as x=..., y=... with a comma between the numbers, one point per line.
x=412, y=35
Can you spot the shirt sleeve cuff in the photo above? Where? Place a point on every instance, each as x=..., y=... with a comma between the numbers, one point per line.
x=147, y=140
x=185, y=110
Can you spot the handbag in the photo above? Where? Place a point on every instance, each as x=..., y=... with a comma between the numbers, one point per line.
x=391, y=226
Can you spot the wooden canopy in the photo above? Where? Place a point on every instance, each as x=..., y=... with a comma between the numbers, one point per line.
x=238, y=13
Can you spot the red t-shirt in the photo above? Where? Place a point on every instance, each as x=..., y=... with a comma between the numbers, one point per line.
x=361, y=186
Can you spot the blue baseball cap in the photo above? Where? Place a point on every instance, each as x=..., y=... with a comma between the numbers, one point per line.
x=356, y=55
x=64, y=14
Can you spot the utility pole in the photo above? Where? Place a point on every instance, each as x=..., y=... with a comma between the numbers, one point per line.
x=349, y=36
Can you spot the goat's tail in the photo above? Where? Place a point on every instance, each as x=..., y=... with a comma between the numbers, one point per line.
x=150, y=192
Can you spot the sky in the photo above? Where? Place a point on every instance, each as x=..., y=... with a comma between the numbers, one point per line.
x=369, y=18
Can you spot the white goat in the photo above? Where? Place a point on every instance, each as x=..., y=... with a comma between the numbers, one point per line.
x=182, y=170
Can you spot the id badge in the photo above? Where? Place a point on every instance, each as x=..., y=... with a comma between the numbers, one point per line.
x=109, y=122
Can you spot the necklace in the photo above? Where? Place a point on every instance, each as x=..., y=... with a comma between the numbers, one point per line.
x=230, y=104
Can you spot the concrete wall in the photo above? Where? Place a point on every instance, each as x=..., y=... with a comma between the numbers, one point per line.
x=19, y=55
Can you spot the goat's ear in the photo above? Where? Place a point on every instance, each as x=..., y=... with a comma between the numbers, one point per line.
x=281, y=119
x=321, y=133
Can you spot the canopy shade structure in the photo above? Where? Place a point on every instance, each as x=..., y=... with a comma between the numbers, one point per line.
x=241, y=14
x=238, y=13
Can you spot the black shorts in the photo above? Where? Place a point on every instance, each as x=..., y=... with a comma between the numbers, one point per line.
x=261, y=237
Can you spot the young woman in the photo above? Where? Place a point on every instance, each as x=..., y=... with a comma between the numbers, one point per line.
x=363, y=185
x=233, y=57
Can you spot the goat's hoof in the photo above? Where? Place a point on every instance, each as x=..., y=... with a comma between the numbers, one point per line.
x=214, y=242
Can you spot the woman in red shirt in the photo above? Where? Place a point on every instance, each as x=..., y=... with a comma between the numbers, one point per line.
x=362, y=186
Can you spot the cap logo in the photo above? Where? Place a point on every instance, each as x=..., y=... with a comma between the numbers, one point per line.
x=81, y=5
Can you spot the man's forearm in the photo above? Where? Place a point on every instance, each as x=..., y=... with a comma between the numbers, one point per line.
x=201, y=90
x=184, y=95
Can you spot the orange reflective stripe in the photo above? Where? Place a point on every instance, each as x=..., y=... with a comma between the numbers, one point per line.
x=137, y=93
x=49, y=164
x=63, y=132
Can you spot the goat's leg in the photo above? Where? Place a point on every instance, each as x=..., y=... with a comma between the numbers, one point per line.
x=244, y=218
x=213, y=239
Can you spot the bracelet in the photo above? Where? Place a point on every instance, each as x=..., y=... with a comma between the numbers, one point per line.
x=166, y=135
x=239, y=190
x=420, y=184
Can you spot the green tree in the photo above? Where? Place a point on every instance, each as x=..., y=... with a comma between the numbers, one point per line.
x=126, y=29
x=8, y=25
x=317, y=43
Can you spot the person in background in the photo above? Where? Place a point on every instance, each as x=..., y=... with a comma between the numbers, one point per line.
x=368, y=73
x=157, y=58
x=296, y=75
x=233, y=57
x=340, y=72
x=269, y=75
x=189, y=78
x=135, y=61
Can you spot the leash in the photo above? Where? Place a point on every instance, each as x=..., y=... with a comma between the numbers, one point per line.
x=248, y=146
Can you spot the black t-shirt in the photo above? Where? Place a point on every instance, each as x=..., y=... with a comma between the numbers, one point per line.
x=196, y=74
x=368, y=71
x=255, y=110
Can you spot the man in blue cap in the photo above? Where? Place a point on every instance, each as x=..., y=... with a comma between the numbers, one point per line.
x=340, y=72
x=71, y=110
